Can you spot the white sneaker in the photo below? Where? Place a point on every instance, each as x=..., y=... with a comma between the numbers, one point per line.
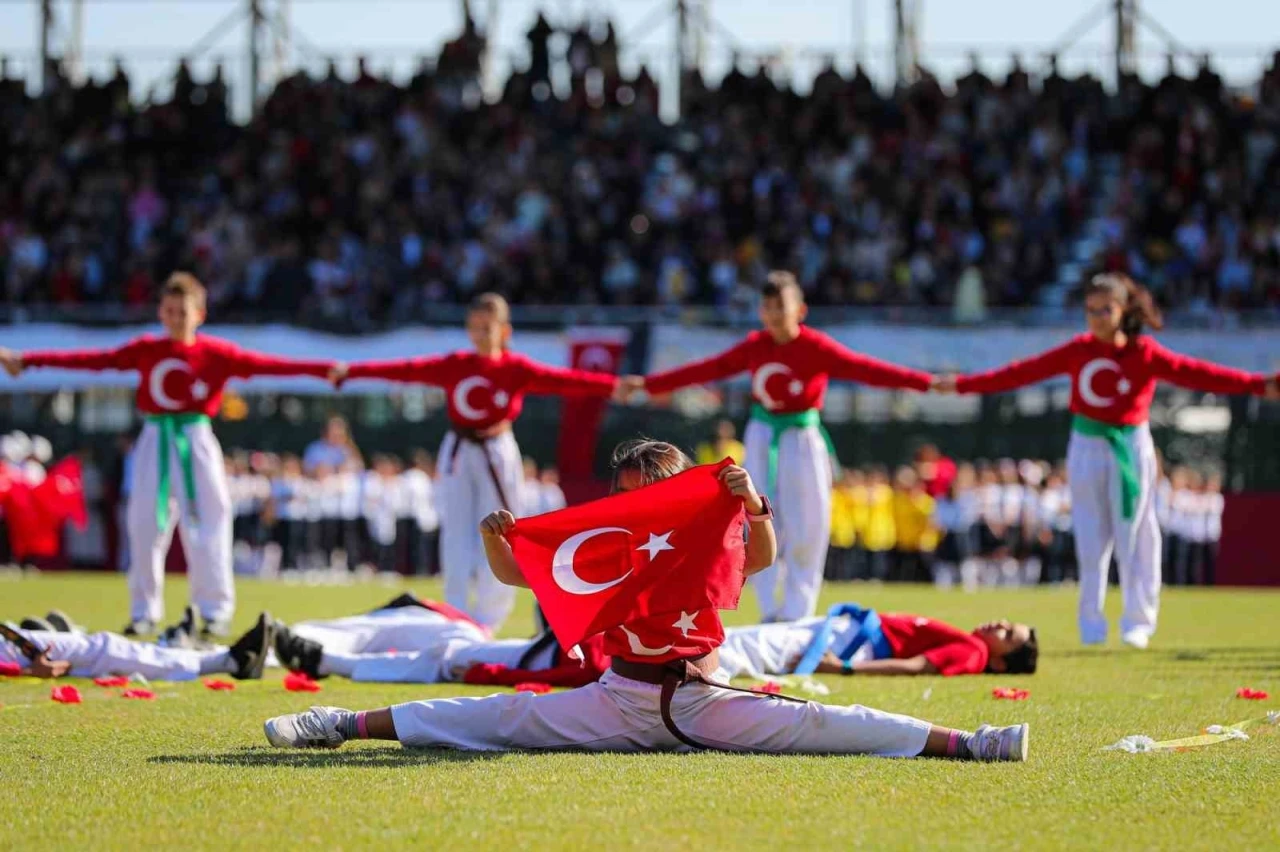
x=316, y=728
x=1001, y=743
x=1136, y=639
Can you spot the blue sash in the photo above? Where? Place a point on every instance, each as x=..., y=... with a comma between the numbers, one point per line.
x=869, y=630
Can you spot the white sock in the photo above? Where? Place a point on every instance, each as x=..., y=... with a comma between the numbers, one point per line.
x=340, y=664
x=218, y=662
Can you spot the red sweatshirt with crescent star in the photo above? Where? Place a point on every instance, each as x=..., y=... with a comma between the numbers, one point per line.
x=787, y=378
x=1114, y=384
x=177, y=377
x=482, y=391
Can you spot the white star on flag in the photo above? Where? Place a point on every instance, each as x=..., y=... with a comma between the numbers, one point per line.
x=686, y=623
x=795, y=387
x=199, y=390
x=500, y=399
x=656, y=544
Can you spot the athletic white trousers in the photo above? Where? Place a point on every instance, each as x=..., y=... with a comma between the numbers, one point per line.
x=467, y=494
x=408, y=645
x=802, y=504
x=620, y=714
x=101, y=654
x=205, y=528
x=1101, y=529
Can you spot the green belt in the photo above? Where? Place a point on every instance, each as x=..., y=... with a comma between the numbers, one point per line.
x=1118, y=438
x=173, y=433
x=780, y=423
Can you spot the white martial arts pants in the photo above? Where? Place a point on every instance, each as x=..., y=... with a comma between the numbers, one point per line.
x=802, y=505
x=467, y=494
x=760, y=650
x=620, y=714
x=1100, y=529
x=102, y=654
x=406, y=645
x=205, y=528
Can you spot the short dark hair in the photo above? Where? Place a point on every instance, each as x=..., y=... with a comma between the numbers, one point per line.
x=778, y=281
x=1023, y=660
x=653, y=460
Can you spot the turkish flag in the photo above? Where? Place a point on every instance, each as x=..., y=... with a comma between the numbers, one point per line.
x=599, y=350
x=674, y=546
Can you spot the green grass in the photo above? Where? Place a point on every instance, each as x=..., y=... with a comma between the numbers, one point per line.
x=191, y=768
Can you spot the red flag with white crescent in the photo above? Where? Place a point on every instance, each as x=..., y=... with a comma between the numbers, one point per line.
x=669, y=552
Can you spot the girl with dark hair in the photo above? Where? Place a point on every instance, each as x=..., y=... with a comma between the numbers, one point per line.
x=1111, y=461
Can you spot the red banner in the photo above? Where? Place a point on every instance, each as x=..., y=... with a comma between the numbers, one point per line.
x=600, y=350
x=1246, y=554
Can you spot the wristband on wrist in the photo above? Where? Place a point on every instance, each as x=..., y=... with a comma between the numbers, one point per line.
x=766, y=511
x=846, y=667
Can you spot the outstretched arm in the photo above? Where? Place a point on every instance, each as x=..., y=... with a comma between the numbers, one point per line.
x=502, y=562
x=721, y=366
x=1187, y=372
x=558, y=381
x=1018, y=374
x=121, y=358
x=847, y=365
x=429, y=370
x=245, y=363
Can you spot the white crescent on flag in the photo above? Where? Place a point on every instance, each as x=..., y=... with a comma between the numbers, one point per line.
x=761, y=378
x=159, y=373
x=563, y=573
x=460, y=393
x=641, y=649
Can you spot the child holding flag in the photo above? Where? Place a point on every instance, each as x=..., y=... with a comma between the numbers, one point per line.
x=647, y=568
x=787, y=448
x=176, y=457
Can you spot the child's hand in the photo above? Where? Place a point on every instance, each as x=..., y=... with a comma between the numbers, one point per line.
x=338, y=374
x=943, y=384
x=739, y=483
x=497, y=524
x=11, y=362
x=1273, y=388
x=42, y=666
x=628, y=386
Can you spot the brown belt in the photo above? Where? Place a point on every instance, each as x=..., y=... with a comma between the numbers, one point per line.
x=479, y=437
x=675, y=674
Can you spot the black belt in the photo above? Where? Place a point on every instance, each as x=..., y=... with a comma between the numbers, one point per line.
x=675, y=674
x=479, y=437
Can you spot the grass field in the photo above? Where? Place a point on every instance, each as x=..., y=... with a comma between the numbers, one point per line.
x=191, y=769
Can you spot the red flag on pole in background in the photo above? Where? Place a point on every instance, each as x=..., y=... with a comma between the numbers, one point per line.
x=599, y=350
x=655, y=563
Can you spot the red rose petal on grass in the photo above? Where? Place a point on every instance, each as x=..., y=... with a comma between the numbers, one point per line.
x=8, y=669
x=535, y=688
x=1010, y=694
x=214, y=683
x=298, y=682
x=767, y=688
x=144, y=694
x=111, y=681
x=1251, y=694
x=65, y=695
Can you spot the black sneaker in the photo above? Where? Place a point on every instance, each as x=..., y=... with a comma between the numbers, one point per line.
x=139, y=628
x=296, y=653
x=62, y=622
x=33, y=623
x=214, y=629
x=182, y=634
x=403, y=600
x=250, y=651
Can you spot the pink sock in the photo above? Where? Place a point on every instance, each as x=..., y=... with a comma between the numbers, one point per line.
x=362, y=727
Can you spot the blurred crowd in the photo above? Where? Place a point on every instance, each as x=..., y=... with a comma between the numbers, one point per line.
x=355, y=200
x=998, y=523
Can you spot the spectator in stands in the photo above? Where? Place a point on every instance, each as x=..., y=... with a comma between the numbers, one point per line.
x=333, y=450
x=725, y=444
x=878, y=535
x=915, y=535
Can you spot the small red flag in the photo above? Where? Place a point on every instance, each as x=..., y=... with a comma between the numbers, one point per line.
x=217, y=684
x=9, y=669
x=648, y=562
x=534, y=687
x=1009, y=693
x=65, y=695
x=143, y=694
x=1251, y=694
x=111, y=681
x=299, y=682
